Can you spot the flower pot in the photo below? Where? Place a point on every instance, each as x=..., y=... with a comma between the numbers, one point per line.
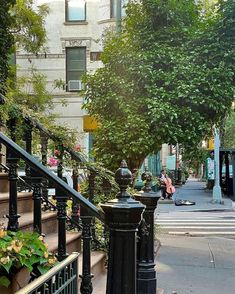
x=18, y=281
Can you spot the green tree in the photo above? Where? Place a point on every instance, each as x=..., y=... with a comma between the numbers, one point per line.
x=229, y=134
x=28, y=28
x=22, y=25
x=158, y=84
x=6, y=40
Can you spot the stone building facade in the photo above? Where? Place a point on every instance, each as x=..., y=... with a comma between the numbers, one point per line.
x=74, y=31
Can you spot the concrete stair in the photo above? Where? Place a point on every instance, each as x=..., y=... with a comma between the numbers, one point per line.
x=49, y=229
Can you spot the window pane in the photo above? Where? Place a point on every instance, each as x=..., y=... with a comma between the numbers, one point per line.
x=113, y=7
x=74, y=75
x=75, y=64
x=76, y=10
x=76, y=53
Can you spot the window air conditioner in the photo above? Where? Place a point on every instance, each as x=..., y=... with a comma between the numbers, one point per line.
x=74, y=85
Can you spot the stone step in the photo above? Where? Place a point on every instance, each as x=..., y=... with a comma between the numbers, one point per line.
x=24, y=203
x=98, y=269
x=73, y=241
x=49, y=222
x=4, y=186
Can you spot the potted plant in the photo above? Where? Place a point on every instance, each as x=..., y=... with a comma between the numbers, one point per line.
x=22, y=251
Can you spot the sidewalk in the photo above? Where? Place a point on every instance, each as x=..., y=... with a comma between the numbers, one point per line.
x=194, y=190
x=196, y=265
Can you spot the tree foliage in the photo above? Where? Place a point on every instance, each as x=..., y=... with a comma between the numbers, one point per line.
x=22, y=25
x=168, y=77
x=29, y=25
x=6, y=40
x=229, y=134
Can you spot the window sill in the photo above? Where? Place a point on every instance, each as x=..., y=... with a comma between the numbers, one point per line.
x=109, y=20
x=72, y=23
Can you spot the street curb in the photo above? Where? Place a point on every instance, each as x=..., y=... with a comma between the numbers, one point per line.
x=209, y=210
x=166, y=201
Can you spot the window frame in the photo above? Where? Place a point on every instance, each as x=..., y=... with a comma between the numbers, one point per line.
x=66, y=64
x=67, y=13
x=113, y=8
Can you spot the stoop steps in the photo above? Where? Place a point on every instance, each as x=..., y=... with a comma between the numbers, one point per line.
x=49, y=229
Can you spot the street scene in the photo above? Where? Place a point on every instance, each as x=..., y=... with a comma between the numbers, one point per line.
x=117, y=146
x=197, y=243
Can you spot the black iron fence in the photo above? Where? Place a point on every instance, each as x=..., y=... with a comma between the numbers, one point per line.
x=62, y=278
x=122, y=216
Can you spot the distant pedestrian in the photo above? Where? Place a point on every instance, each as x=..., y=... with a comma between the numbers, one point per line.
x=166, y=187
x=170, y=189
x=162, y=179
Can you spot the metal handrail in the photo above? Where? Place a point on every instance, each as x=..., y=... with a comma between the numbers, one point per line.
x=75, y=155
x=47, y=276
x=53, y=137
x=48, y=174
x=6, y=168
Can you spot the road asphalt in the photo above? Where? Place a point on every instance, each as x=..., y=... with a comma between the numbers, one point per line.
x=198, y=265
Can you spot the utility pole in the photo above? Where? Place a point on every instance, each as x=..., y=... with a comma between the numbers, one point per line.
x=217, y=195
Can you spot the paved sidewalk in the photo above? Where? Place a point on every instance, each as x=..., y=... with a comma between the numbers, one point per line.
x=196, y=265
x=196, y=191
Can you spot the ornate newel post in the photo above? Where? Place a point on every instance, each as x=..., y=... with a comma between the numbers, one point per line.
x=146, y=273
x=122, y=216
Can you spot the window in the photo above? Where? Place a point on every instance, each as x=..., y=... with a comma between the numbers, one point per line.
x=75, y=67
x=75, y=10
x=113, y=7
x=95, y=56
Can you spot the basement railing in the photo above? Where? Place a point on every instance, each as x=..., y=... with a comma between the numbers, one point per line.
x=62, y=278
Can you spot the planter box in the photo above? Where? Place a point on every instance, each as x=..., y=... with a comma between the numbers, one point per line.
x=19, y=280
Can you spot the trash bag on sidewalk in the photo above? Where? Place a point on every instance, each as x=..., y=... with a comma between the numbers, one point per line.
x=180, y=202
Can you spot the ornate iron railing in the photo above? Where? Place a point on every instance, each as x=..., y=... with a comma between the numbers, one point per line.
x=122, y=216
x=62, y=278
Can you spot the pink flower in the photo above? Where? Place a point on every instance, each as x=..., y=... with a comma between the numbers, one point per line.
x=52, y=161
x=77, y=147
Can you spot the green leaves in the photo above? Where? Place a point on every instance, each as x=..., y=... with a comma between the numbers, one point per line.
x=29, y=29
x=22, y=249
x=4, y=281
x=6, y=41
x=168, y=78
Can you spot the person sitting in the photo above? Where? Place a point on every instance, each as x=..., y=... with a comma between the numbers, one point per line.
x=167, y=189
x=170, y=189
x=162, y=178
